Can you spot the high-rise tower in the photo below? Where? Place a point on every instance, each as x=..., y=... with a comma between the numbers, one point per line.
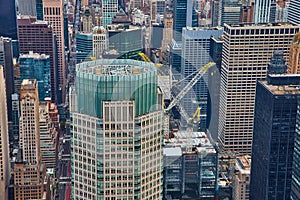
x=53, y=13
x=262, y=11
x=37, y=36
x=275, y=129
x=117, y=130
x=294, y=57
x=29, y=121
x=195, y=54
x=4, y=145
x=29, y=173
x=245, y=60
x=6, y=60
x=109, y=10
x=8, y=19
x=293, y=12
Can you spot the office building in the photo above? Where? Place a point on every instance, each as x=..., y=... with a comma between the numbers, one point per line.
x=29, y=173
x=195, y=54
x=4, y=154
x=293, y=12
x=37, y=66
x=274, y=132
x=240, y=69
x=128, y=42
x=27, y=7
x=6, y=60
x=48, y=136
x=156, y=35
x=29, y=122
x=190, y=167
x=231, y=11
x=241, y=183
x=247, y=14
x=15, y=117
x=168, y=30
x=109, y=10
x=53, y=13
x=184, y=16
x=87, y=23
x=100, y=41
x=116, y=122
x=39, y=10
x=295, y=187
x=262, y=11
x=8, y=19
x=37, y=36
x=84, y=47
x=294, y=56
x=157, y=8
x=216, y=13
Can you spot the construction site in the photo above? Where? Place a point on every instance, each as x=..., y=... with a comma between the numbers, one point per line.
x=194, y=165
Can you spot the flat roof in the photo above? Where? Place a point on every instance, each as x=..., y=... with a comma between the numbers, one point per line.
x=115, y=67
x=172, y=151
x=281, y=89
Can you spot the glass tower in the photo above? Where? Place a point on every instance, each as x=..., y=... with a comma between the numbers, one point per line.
x=8, y=19
x=273, y=137
x=116, y=122
x=36, y=66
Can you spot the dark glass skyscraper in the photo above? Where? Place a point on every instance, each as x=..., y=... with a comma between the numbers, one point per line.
x=8, y=20
x=184, y=15
x=273, y=137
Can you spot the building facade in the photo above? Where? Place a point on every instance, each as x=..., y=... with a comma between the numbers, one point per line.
x=27, y=7
x=4, y=155
x=194, y=55
x=109, y=10
x=48, y=136
x=127, y=41
x=37, y=36
x=84, y=47
x=6, y=60
x=295, y=187
x=243, y=62
x=294, y=56
x=29, y=173
x=294, y=6
x=54, y=14
x=231, y=11
x=117, y=131
x=37, y=66
x=100, y=41
x=262, y=11
x=273, y=137
x=8, y=19
x=242, y=178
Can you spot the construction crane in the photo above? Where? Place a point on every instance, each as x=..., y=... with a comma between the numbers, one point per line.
x=189, y=86
x=197, y=114
x=147, y=59
x=182, y=93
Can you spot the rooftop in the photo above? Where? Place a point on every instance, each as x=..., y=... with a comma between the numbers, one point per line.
x=281, y=89
x=259, y=25
x=115, y=67
x=243, y=164
x=34, y=55
x=190, y=142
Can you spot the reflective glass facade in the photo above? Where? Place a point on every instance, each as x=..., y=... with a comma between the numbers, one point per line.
x=35, y=66
x=273, y=141
x=93, y=88
x=8, y=19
